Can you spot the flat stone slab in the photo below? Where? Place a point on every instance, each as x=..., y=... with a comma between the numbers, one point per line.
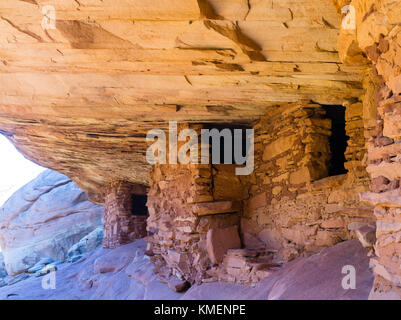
x=216, y=207
x=220, y=240
x=389, y=198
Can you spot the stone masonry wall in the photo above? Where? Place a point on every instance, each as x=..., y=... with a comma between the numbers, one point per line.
x=377, y=37
x=288, y=205
x=384, y=156
x=291, y=209
x=185, y=202
x=120, y=225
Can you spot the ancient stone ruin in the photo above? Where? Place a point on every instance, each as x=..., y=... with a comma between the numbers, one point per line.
x=318, y=82
x=124, y=220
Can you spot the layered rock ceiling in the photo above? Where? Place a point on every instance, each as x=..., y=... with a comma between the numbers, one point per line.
x=80, y=98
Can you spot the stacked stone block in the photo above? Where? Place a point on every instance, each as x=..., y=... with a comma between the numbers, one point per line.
x=384, y=156
x=378, y=35
x=356, y=144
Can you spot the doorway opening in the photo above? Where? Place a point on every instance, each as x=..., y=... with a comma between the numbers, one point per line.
x=338, y=139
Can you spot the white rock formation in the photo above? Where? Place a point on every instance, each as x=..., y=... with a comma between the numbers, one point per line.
x=44, y=219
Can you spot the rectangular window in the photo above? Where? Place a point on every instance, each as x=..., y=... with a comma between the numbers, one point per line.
x=139, y=207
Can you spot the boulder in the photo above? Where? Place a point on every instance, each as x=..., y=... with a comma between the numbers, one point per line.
x=43, y=220
x=88, y=243
x=92, y=137
x=178, y=285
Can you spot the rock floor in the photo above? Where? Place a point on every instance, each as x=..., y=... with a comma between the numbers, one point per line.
x=125, y=273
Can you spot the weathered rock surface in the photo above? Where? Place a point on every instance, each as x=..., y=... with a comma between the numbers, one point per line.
x=86, y=244
x=316, y=277
x=117, y=259
x=44, y=219
x=320, y=276
x=367, y=235
x=111, y=70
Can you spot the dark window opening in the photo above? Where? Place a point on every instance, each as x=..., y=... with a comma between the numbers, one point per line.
x=139, y=207
x=231, y=128
x=337, y=140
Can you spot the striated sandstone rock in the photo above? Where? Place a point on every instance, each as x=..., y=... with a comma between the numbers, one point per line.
x=111, y=70
x=44, y=219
